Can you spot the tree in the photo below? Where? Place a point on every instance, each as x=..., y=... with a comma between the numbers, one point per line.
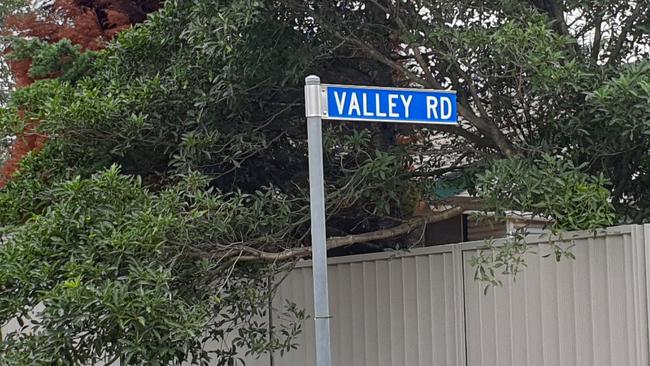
x=58, y=31
x=533, y=77
x=172, y=188
x=6, y=81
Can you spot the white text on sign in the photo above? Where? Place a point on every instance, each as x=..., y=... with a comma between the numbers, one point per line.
x=405, y=105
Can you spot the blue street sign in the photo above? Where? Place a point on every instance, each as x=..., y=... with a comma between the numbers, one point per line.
x=355, y=103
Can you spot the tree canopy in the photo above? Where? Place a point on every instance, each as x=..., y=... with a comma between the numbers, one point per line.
x=172, y=189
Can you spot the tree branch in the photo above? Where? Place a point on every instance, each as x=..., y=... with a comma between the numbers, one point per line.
x=490, y=129
x=248, y=254
x=618, y=45
x=481, y=121
x=466, y=134
x=598, y=35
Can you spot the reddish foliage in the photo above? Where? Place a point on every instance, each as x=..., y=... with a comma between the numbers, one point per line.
x=88, y=23
x=20, y=71
x=28, y=141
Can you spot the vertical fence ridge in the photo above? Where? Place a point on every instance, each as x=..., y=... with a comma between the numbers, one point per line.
x=644, y=243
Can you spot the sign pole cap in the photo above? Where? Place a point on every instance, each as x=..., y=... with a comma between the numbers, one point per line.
x=312, y=80
x=313, y=97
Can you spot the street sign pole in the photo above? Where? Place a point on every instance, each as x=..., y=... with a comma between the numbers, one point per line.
x=355, y=103
x=313, y=109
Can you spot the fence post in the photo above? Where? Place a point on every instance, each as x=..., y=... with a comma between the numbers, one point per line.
x=458, y=269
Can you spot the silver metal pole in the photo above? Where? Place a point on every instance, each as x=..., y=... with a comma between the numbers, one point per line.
x=313, y=111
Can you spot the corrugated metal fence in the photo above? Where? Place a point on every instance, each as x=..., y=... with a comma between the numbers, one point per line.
x=424, y=307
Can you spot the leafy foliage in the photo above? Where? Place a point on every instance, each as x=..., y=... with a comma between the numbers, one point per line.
x=62, y=59
x=494, y=261
x=550, y=187
x=103, y=265
x=7, y=8
x=196, y=105
x=6, y=80
x=610, y=136
x=201, y=108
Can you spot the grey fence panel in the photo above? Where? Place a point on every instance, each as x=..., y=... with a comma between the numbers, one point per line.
x=387, y=310
x=424, y=307
x=591, y=311
x=587, y=311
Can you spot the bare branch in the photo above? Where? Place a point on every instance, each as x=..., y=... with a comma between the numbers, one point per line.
x=486, y=127
x=598, y=34
x=252, y=254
